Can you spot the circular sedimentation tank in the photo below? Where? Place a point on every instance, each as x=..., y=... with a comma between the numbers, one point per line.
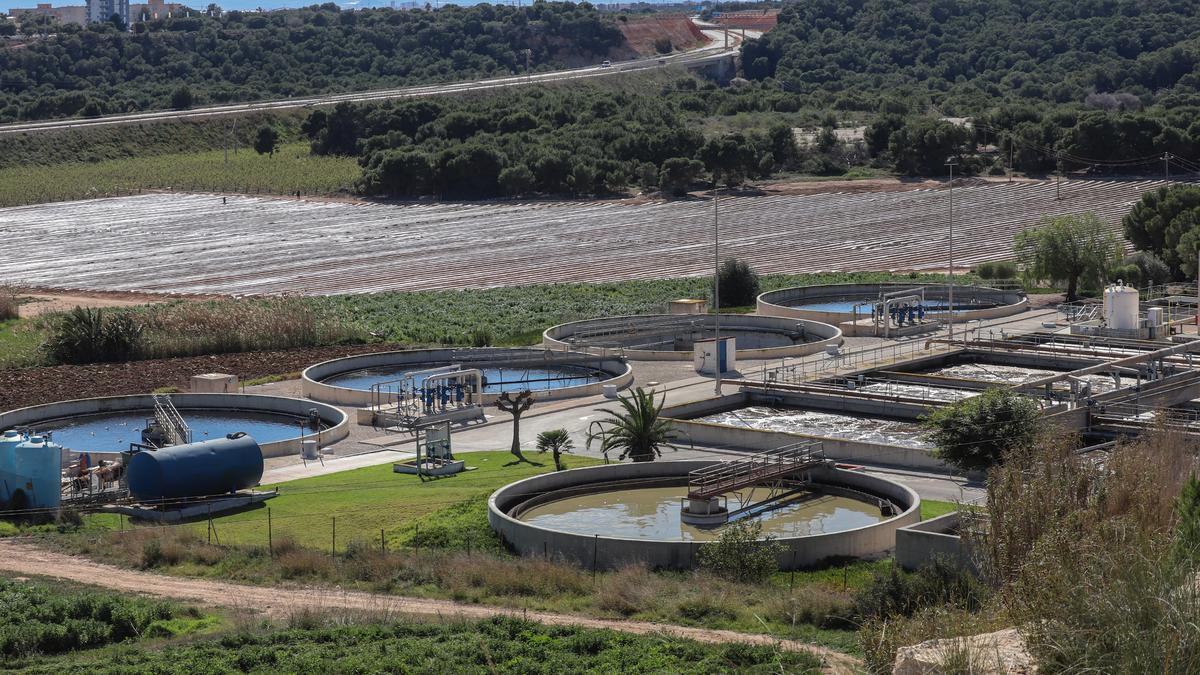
x=563, y=374
x=110, y=424
x=621, y=514
x=835, y=303
x=672, y=337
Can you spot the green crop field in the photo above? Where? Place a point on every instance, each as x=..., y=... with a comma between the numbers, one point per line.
x=517, y=315
x=291, y=169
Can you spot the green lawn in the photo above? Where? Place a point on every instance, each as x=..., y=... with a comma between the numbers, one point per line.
x=289, y=170
x=366, y=500
x=20, y=340
x=932, y=509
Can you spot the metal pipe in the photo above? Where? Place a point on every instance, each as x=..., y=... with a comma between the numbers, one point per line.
x=1183, y=348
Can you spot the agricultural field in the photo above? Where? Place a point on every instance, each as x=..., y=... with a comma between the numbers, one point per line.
x=291, y=169
x=194, y=243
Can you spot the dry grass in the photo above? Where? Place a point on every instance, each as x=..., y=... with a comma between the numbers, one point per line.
x=628, y=591
x=813, y=605
x=191, y=329
x=1083, y=555
x=9, y=303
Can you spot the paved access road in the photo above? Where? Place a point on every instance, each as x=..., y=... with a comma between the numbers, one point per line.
x=715, y=50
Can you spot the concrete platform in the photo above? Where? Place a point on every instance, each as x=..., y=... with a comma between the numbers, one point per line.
x=199, y=509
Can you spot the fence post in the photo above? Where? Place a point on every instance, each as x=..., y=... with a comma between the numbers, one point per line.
x=417, y=539
x=382, y=542
x=595, y=554
x=333, y=539
x=270, y=541
x=210, y=524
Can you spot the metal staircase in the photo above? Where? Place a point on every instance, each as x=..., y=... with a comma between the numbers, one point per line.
x=174, y=429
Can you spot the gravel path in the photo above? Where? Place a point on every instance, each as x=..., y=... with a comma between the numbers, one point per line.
x=22, y=557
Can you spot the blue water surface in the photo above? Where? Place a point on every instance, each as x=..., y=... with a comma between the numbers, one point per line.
x=496, y=379
x=113, y=432
x=847, y=306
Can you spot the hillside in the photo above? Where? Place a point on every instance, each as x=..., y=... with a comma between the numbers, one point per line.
x=660, y=33
x=966, y=54
x=182, y=62
x=1072, y=85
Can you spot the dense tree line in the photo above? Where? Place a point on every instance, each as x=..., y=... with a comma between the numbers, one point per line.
x=1071, y=84
x=246, y=56
x=573, y=141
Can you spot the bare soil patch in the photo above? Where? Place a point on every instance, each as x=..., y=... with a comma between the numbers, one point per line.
x=20, y=387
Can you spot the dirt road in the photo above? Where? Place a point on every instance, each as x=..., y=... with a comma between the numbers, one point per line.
x=22, y=557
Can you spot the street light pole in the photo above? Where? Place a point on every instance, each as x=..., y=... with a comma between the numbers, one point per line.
x=950, y=299
x=716, y=289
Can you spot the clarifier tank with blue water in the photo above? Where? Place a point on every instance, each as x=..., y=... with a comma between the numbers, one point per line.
x=213, y=467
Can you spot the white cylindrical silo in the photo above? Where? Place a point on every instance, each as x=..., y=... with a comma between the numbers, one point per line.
x=1121, y=307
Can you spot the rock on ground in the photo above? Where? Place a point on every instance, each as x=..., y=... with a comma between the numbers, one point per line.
x=1000, y=652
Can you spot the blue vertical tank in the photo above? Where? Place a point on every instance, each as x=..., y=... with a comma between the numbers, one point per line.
x=8, y=479
x=198, y=469
x=37, y=466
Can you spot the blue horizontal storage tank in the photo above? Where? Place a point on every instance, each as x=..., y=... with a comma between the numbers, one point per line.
x=196, y=469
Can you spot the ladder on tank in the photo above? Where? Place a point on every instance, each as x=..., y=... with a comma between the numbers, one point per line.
x=174, y=429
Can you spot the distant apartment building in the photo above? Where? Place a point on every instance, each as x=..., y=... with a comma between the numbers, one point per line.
x=155, y=9
x=103, y=10
x=73, y=14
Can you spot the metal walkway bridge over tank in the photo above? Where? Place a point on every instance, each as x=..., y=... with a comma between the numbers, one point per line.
x=724, y=477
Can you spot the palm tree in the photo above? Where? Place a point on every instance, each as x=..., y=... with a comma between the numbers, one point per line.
x=556, y=441
x=638, y=432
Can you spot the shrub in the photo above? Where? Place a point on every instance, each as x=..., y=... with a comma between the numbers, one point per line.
x=738, y=283
x=973, y=434
x=704, y=607
x=740, y=555
x=86, y=335
x=899, y=593
x=10, y=307
x=1151, y=269
x=997, y=270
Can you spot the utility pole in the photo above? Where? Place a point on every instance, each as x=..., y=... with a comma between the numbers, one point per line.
x=1058, y=179
x=1166, y=166
x=716, y=287
x=1010, y=157
x=950, y=303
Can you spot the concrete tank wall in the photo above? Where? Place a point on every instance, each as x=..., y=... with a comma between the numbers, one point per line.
x=312, y=386
x=612, y=552
x=558, y=337
x=779, y=303
x=334, y=418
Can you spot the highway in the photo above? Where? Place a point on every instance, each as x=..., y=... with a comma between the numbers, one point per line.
x=714, y=51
